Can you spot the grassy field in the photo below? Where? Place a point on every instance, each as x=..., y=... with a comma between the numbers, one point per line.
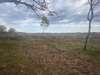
x=48, y=56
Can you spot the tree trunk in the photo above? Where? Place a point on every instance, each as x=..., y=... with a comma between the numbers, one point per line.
x=88, y=35
x=90, y=18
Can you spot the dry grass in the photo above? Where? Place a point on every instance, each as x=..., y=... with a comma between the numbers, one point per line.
x=54, y=56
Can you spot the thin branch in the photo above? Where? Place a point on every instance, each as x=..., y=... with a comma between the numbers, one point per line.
x=35, y=6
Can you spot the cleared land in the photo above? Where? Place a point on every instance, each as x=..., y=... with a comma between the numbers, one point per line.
x=48, y=56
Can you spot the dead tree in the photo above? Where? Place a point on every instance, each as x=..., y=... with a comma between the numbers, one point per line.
x=36, y=5
x=92, y=4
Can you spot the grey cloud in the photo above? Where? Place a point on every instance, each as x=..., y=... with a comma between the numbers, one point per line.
x=66, y=10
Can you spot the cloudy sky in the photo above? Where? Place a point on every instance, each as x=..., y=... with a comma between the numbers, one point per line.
x=70, y=17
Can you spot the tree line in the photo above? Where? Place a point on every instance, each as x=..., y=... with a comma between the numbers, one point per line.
x=4, y=29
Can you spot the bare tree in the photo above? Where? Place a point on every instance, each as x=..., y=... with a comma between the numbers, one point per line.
x=92, y=4
x=35, y=5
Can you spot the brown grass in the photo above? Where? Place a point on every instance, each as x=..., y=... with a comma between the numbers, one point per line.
x=56, y=56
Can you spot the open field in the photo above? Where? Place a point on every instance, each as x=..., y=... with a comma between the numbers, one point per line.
x=49, y=56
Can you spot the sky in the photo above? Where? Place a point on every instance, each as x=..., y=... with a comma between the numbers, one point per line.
x=71, y=16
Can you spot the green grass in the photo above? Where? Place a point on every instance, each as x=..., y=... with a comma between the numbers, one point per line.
x=93, y=52
x=10, y=52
